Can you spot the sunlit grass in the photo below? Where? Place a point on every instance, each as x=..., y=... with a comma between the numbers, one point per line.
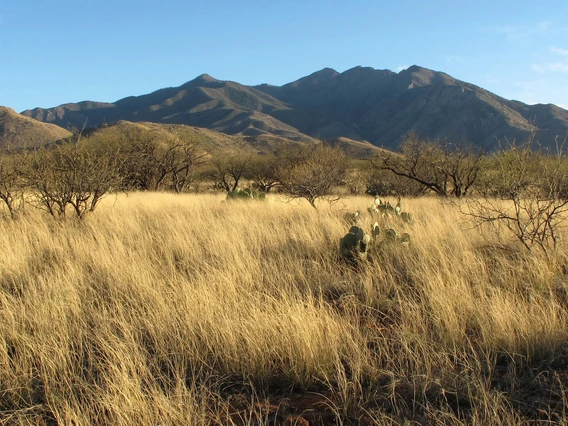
x=164, y=309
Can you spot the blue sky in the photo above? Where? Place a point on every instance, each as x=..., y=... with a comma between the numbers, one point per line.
x=60, y=51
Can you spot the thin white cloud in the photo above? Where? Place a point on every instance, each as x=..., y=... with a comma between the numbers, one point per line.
x=558, y=66
x=455, y=58
x=544, y=26
x=545, y=90
x=520, y=31
x=402, y=68
x=550, y=67
x=553, y=60
x=559, y=51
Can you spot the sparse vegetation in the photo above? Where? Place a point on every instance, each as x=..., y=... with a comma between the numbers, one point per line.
x=229, y=170
x=441, y=167
x=12, y=187
x=312, y=172
x=70, y=175
x=246, y=194
x=526, y=193
x=263, y=172
x=149, y=160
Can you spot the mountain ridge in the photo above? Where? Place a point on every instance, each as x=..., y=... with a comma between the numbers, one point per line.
x=362, y=104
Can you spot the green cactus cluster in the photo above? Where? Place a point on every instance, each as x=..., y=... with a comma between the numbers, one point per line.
x=246, y=194
x=391, y=236
x=355, y=245
x=375, y=231
x=386, y=209
x=406, y=217
x=352, y=218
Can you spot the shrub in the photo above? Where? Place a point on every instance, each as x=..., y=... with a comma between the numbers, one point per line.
x=71, y=174
x=311, y=172
x=528, y=196
x=11, y=184
x=246, y=194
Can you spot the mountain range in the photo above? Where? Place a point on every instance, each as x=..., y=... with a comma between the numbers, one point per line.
x=361, y=104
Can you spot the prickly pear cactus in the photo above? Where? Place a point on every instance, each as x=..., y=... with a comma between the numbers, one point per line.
x=375, y=230
x=358, y=232
x=406, y=217
x=390, y=235
x=245, y=194
x=373, y=210
x=352, y=218
x=384, y=209
x=354, y=246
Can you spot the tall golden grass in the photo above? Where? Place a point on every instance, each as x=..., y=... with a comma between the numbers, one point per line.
x=188, y=310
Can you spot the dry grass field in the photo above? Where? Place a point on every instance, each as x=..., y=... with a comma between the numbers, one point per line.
x=185, y=310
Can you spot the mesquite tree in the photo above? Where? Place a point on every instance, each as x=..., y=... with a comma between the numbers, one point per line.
x=71, y=175
x=528, y=196
x=442, y=167
x=11, y=184
x=311, y=172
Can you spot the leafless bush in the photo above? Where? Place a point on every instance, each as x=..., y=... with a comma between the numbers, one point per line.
x=71, y=174
x=527, y=195
x=262, y=171
x=11, y=184
x=311, y=172
x=442, y=167
x=152, y=161
x=229, y=169
x=179, y=160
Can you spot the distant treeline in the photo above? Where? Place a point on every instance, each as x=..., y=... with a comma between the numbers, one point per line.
x=75, y=174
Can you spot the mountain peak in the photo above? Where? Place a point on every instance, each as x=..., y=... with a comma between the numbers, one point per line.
x=203, y=80
x=316, y=80
x=326, y=72
x=415, y=68
x=368, y=75
x=359, y=68
x=206, y=78
x=420, y=76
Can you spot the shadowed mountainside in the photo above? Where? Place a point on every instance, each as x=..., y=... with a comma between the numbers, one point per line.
x=361, y=104
x=18, y=131
x=204, y=102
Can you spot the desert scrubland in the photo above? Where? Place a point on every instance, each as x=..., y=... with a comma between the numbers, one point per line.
x=191, y=310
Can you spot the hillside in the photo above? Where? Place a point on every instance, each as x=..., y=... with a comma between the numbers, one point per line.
x=361, y=104
x=214, y=141
x=17, y=131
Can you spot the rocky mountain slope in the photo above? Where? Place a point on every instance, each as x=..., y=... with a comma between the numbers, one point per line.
x=361, y=104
